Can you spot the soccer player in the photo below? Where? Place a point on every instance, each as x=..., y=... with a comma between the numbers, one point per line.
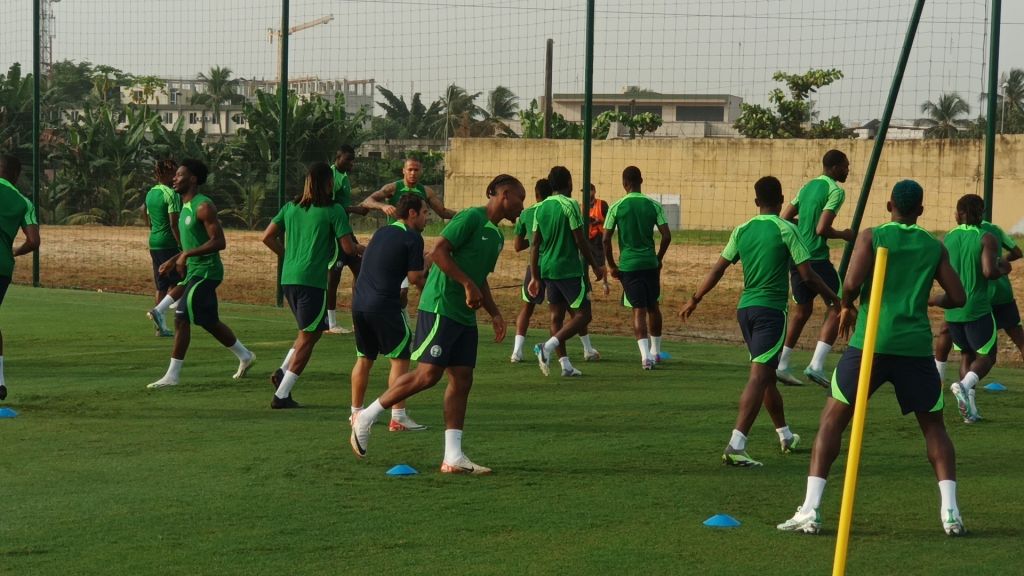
x=523, y=233
x=555, y=250
x=341, y=193
x=316, y=230
x=446, y=331
x=202, y=239
x=16, y=211
x=394, y=253
x=974, y=254
x=160, y=210
x=903, y=352
x=814, y=210
x=766, y=244
x=597, y=210
x=635, y=217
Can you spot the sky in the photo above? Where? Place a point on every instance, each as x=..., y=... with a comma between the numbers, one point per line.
x=693, y=46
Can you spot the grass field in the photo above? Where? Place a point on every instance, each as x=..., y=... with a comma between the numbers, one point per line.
x=610, y=473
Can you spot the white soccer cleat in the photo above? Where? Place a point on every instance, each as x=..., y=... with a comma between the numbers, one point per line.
x=158, y=320
x=243, y=366
x=542, y=359
x=162, y=383
x=515, y=358
x=405, y=424
x=953, y=524
x=592, y=356
x=360, y=436
x=972, y=408
x=787, y=378
x=339, y=329
x=789, y=446
x=649, y=364
x=961, y=401
x=807, y=522
x=464, y=466
x=571, y=372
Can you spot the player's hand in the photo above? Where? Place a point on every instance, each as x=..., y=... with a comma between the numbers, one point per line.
x=499, y=327
x=607, y=288
x=474, y=298
x=180, y=264
x=599, y=273
x=691, y=306
x=614, y=273
x=388, y=210
x=847, y=321
x=533, y=288
x=167, y=266
x=1004, y=266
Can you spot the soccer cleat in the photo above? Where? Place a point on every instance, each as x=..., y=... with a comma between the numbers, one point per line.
x=789, y=445
x=164, y=333
x=339, y=329
x=244, y=365
x=658, y=358
x=953, y=524
x=3, y=392
x=542, y=359
x=571, y=372
x=283, y=403
x=360, y=437
x=807, y=522
x=787, y=378
x=276, y=378
x=592, y=356
x=464, y=466
x=405, y=424
x=961, y=401
x=162, y=383
x=972, y=408
x=738, y=458
x=649, y=364
x=158, y=320
x=353, y=415
x=816, y=376
x=516, y=358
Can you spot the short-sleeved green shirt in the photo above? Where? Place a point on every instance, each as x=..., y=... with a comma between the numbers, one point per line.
x=401, y=189
x=766, y=244
x=476, y=244
x=964, y=244
x=818, y=195
x=914, y=256
x=310, y=242
x=341, y=192
x=556, y=218
x=635, y=216
x=524, y=224
x=15, y=211
x=161, y=202
x=193, y=234
x=1002, y=291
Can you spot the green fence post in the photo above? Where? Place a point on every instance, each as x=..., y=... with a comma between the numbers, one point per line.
x=282, y=138
x=36, y=119
x=588, y=108
x=990, y=113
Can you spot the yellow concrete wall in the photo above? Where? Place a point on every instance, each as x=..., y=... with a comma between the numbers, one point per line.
x=715, y=176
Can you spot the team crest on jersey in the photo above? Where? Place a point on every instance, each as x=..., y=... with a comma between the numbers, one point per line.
x=188, y=220
x=435, y=351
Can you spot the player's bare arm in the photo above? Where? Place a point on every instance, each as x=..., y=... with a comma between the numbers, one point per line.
x=790, y=213
x=707, y=285
x=379, y=200
x=31, y=243
x=272, y=239
x=438, y=206
x=606, y=239
x=666, y=241
x=953, y=295
x=992, y=266
x=861, y=263
x=584, y=247
x=534, y=287
x=825, y=229
x=442, y=256
x=497, y=321
x=207, y=214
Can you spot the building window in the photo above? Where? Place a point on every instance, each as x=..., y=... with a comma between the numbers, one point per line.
x=598, y=109
x=238, y=119
x=174, y=96
x=168, y=118
x=656, y=110
x=700, y=114
x=193, y=118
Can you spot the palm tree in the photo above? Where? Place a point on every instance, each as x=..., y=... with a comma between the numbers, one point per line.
x=1013, y=88
x=401, y=120
x=461, y=114
x=502, y=105
x=944, y=116
x=220, y=90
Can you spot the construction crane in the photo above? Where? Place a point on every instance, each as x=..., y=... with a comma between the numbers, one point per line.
x=276, y=33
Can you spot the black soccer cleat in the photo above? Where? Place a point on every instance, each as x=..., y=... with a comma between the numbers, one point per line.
x=3, y=392
x=283, y=403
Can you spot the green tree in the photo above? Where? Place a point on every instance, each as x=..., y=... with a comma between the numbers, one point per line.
x=532, y=121
x=502, y=106
x=220, y=90
x=16, y=113
x=945, y=116
x=401, y=121
x=792, y=116
x=460, y=114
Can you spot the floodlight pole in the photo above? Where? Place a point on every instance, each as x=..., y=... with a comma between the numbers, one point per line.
x=282, y=139
x=588, y=106
x=990, y=121
x=883, y=129
x=36, y=120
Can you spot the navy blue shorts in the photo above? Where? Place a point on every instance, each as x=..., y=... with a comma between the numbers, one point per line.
x=309, y=305
x=164, y=283
x=200, y=302
x=915, y=378
x=977, y=336
x=442, y=341
x=539, y=298
x=1007, y=315
x=641, y=288
x=385, y=332
x=802, y=292
x=573, y=292
x=764, y=330
x=5, y=282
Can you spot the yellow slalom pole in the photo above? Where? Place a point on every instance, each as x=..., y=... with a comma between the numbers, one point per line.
x=860, y=411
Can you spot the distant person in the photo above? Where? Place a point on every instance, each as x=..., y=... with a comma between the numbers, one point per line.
x=523, y=232
x=382, y=328
x=597, y=211
x=903, y=351
x=316, y=232
x=635, y=217
x=555, y=260
x=161, y=209
x=446, y=331
x=16, y=212
x=814, y=211
x=766, y=245
x=202, y=239
x=341, y=194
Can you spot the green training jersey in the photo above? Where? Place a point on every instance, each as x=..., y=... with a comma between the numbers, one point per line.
x=401, y=189
x=15, y=211
x=635, y=216
x=524, y=224
x=818, y=195
x=965, y=248
x=1002, y=292
x=161, y=202
x=903, y=327
x=341, y=192
x=476, y=243
x=193, y=234
x=310, y=242
x=766, y=244
x=556, y=218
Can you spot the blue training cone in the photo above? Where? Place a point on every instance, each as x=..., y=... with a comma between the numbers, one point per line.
x=7, y=413
x=402, y=470
x=722, y=521
x=995, y=387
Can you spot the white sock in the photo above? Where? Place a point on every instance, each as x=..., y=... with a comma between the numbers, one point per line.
x=820, y=352
x=240, y=350
x=174, y=305
x=397, y=413
x=453, y=446
x=288, y=359
x=1, y=370
x=517, y=348
x=784, y=358
x=588, y=348
x=174, y=370
x=645, y=346
x=550, y=345
x=354, y=409
x=655, y=345
x=164, y=304
x=815, y=488
x=784, y=433
x=372, y=412
x=565, y=363
x=947, y=493
x=970, y=380
x=941, y=367
x=285, y=387
x=332, y=318
x=738, y=440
